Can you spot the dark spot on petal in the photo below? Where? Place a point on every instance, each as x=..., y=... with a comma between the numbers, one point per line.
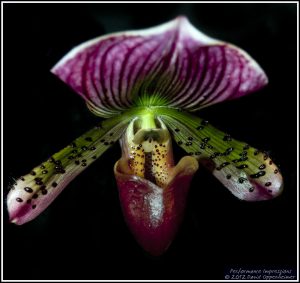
x=106, y=143
x=179, y=142
x=34, y=206
x=228, y=151
x=71, y=157
x=94, y=157
x=59, y=169
x=77, y=162
x=73, y=144
x=270, y=162
x=28, y=190
x=44, y=171
x=84, y=147
x=35, y=196
x=242, y=180
x=74, y=151
x=92, y=148
x=42, y=166
x=188, y=143
x=244, y=153
x=244, y=158
x=83, y=164
x=256, y=152
x=251, y=189
x=268, y=184
x=276, y=171
x=28, y=201
x=54, y=184
x=190, y=138
x=177, y=130
x=89, y=139
x=257, y=175
x=242, y=166
x=19, y=200
x=32, y=173
x=206, y=139
x=202, y=145
x=214, y=155
x=228, y=176
x=261, y=167
x=224, y=164
x=247, y=146
x=38, y=181
x=199, y=128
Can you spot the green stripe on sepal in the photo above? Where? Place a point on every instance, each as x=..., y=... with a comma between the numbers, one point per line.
x=33, y=192
x=248, y=173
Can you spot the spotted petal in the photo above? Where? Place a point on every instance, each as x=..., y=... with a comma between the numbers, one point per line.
x=184, y=66
x=248, y=173
x=32, y=193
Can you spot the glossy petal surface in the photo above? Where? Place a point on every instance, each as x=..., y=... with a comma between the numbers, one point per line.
x=184, y=66
x=154, y=214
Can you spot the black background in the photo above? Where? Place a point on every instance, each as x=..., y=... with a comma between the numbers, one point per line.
x=82, y=235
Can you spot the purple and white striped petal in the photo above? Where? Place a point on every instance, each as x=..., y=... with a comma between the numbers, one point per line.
x=174, y=60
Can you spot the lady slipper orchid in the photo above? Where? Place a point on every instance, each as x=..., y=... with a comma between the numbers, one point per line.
x=145, y=83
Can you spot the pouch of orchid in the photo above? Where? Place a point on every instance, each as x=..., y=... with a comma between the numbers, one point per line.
x=145, y=84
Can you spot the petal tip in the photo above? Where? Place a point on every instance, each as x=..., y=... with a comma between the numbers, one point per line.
x=14, y=220
x=266, y=190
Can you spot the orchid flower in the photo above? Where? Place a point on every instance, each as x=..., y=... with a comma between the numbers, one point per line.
x=145, y=84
